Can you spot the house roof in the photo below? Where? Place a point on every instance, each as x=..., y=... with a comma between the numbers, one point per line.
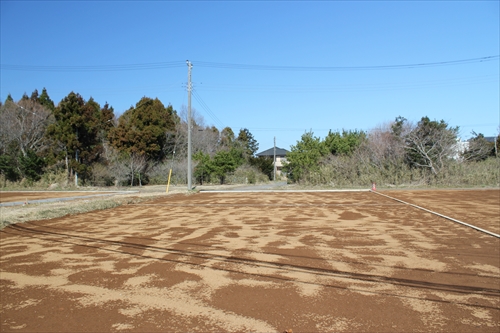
x=270, y=152
x=490, y=138
x=487, y=138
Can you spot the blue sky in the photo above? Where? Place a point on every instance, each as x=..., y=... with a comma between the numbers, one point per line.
x=314, y=65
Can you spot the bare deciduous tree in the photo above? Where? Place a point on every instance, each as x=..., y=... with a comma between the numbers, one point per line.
x=203, y=137
x=137, y=163
x=382, y=147
x=24, y=123
x=477, y=149
x=430, y=144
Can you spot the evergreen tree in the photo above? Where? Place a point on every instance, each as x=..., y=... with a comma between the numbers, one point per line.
x=31, y=166
x=76, y=131
x=248, y=142
x=34, y=96
x=264, y=164
x=227, y=137
x=142, y=129
x=8, y=168
x=344, y=143
x=305, y=156
x=89, y=144
x=107, y=122
x=224, y=162
x=202, y=170
x=45, y=100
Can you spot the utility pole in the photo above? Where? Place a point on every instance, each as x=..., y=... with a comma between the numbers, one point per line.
x=189, y=126
x=76, y=158
x=274, y=177
x=76, y=173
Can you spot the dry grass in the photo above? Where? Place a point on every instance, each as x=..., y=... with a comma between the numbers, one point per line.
x=43, y=211
x=32, y=212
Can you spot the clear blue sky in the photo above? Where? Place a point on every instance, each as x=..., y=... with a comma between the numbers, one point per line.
x=120, y=51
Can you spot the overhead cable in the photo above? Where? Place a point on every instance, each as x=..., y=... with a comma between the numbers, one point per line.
x=206, y=64
x=348, y=87
x=102, y=68
x=344, y=68
x=207, y=109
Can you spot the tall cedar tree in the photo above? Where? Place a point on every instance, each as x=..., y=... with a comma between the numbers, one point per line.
x=248, y=142
x=226, y=137
x=45, y=100
x=142, y=129
x=77, y=129
x=107, y=122
x=91, y=147
x=42, y=99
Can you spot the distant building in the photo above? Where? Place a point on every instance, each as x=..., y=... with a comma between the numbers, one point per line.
x=459, y=149
x=491, y=139
x=462, y=146
x=280, y=157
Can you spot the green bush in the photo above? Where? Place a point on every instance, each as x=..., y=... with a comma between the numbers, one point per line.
x=251, y=178
x=31, y=166
x=247, y=174
x=349, y=171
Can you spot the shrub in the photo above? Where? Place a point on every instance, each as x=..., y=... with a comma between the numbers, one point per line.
x=247, y=174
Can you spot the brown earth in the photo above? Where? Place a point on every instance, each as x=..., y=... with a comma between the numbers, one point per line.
x=469, y=206
x=262, y=262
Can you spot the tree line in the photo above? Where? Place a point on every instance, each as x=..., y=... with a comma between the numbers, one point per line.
x=80, y=140
x=427, y=152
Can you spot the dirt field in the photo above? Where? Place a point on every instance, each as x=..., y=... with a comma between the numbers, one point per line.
x=259, y=262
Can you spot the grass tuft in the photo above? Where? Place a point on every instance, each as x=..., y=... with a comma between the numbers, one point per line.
x=34, y=212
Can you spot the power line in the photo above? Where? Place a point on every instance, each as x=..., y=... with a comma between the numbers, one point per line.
x=281, y=129
x=350, y=87
x=101, y=68
x=206, y=64
x=344, y=68
x=207, y=109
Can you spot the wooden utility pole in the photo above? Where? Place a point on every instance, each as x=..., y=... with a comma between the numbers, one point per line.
x=274, y=170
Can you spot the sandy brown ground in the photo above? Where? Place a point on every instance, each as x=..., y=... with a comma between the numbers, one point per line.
x=260, y=262
x=476, y=207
